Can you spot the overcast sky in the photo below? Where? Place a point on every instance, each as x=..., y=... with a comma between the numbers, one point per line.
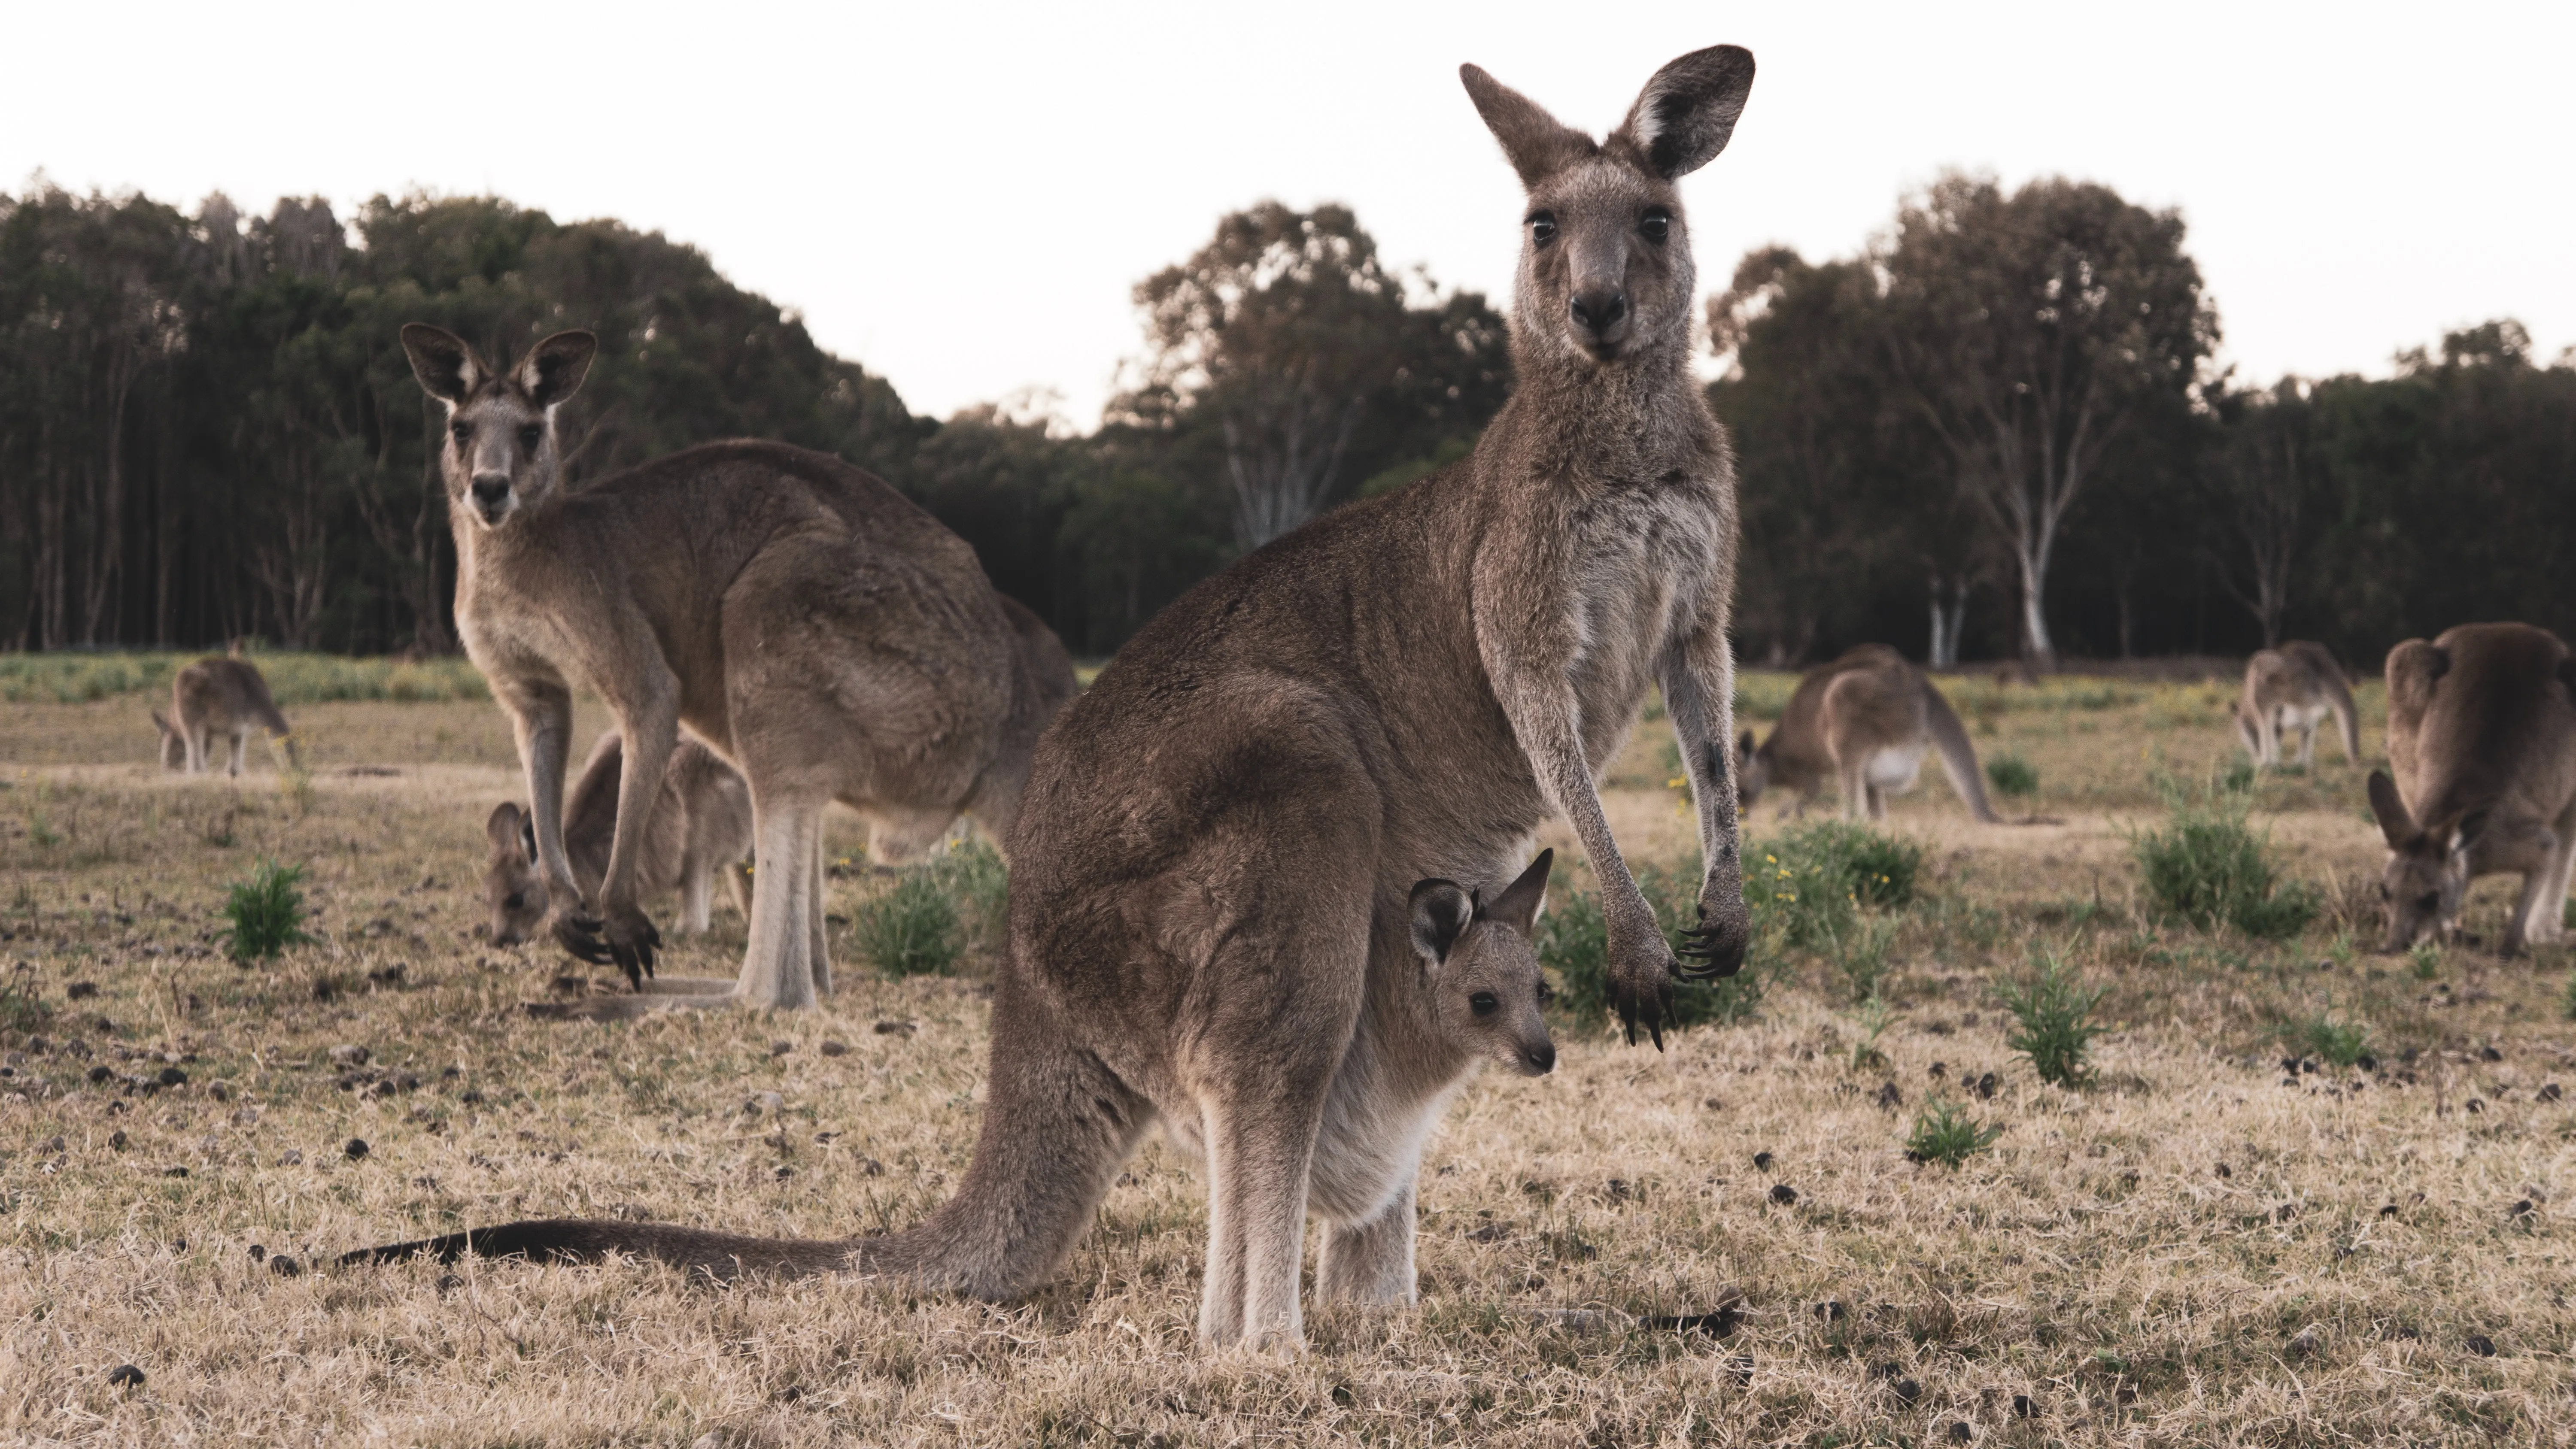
x=961, y=196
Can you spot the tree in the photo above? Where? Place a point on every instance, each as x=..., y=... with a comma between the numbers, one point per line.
x=1289, y=340
x=2263, y=469
x=2031, y=332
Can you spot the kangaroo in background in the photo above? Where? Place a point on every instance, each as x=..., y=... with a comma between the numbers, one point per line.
x=1227, y=877
x=701, y=827
x=812, y=625
x=2482, y=736
x=2294, y=687
x=1862, y=723
x=215, y=697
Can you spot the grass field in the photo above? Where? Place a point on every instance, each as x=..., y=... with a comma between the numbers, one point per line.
x=2193, y=1243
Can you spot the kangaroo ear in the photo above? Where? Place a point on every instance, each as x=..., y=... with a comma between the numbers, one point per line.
x=2462, y=837
x=447, y=368
x=1441, y=912
x=1536, y=143
x=1744, y=746
x=554, y=368
x=2395, y=824
x=504, y=826
x=1519, y=904
x=1684, y=116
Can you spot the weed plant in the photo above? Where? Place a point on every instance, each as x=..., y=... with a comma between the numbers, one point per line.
x=911, y=930
x=21, y=1009
x=2010, y=774
x=1946, y=1134
x=266, y=913
x=2207, y=868
x=2329, y=1038
x=1807, y=886
x=978, y=883
x=2424, y=962
x=64, y=677
x=1574, y=942
x=2053, y=1021
x=1860, y=955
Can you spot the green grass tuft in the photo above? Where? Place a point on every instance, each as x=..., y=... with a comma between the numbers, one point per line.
x=2328, y=1038
x=2053, y=1021
x=2010, y=774
x=21, y=1009
x=2208, y=868
x=266, y=913
x=911, y=930
x=1574, y=942
x=1946, y=1134
x=1807, y=886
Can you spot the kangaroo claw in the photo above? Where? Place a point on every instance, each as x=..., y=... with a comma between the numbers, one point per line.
x=580, y=935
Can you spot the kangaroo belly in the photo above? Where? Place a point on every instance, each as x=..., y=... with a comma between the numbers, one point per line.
x=1896, y=768
x=1363, y=1156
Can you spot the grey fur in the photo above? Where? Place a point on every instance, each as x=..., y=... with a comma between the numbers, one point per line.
x=1861, y=724
x=2294, y=687
x=219, y=698
x=701, y=828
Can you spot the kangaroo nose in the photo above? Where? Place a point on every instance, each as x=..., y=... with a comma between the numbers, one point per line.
x=491, y=488
x=1599, y=309
x=1542, y=1058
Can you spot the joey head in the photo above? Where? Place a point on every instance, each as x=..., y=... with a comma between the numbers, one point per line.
x=1480, y=964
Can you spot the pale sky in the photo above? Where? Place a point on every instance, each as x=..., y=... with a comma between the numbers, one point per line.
x=961, y=196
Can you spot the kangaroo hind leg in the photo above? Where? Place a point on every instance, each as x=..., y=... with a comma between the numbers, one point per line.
x=1370, y=1261
x=778, y=962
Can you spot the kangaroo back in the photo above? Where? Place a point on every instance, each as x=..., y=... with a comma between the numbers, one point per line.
x=2326, y=672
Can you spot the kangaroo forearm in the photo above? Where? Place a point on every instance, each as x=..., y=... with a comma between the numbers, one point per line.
x=650, y=734
x=541, y=716
x=1700, y=703
x=1556, y=757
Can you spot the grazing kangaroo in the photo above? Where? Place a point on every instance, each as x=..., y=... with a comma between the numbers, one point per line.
x=1862, y=723
x=812, y=625
x=215, y=697
x=2482, y=736
x=2294, y=687
x=1227, y=877
x=701, y=827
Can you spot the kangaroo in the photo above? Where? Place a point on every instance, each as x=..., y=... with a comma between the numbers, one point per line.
x=823, y=634
x=1218, y=913
x=219, y=696
x=701, y=827
x=2294, y=687
x=2482, y=736
x=1863, y=723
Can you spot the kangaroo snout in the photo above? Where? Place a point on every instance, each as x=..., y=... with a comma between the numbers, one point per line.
x=492, y=495
x=1539, y=1059
x=1602, y=312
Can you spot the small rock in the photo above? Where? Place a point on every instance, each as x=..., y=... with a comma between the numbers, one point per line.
x=2476, y=1106
x=892, y=1028
x=116, y=1140
x=1741, y=1368
x=1762, y=1162
x=2481, y=1345
x=1960, y=1432
x=781, y=1048
x=83, y=991
x=258, y=1254
x=174, y=1172
x=1489, y=1233
x=290, y=1158
x=2285, y=1212
x=1986, y=1086
x=356, y=1150
x=2523, y=1208
x=220, y=1090
x=1889, y=1097
x=125, y=1376
x=2489, y=1054
x=1940, y=1069
x=1783, y=1194
x=1906, y=1391
x=2305, y=1343
x=1832, y=1311
x=870, y=1167
x=389, y=975
x=348, y=1055
x=100, y=1073
x=2024, y=1407
x=770, y=1102
x=2388, y=1210
x=172, y=1077
x=834, y=1047
x=284, y=1266
x=2226, y=1171
x=785, y=1173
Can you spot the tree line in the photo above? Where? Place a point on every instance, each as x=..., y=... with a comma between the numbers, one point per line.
x=1996, y=430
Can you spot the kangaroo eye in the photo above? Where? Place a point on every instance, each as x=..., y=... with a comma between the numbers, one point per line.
x=530, y=436
x=462, y=430
x=1542, y=225
x=1484, y=1003
x=1657, y=224
x=516, y=899
x=1546, y=993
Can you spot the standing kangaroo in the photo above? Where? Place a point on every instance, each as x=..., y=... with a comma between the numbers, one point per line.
x=808, y=622
x=701, y=827
x=218, y=697
x=2482, y=736
x=2294, y=687
x=1863, y=723
x=1232, y=869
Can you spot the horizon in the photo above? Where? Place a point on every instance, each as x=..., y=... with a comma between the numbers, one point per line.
x=2293, y=237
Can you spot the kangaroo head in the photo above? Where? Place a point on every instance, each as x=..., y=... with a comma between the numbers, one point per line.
x=1482, y=967
x=2427, y=871
x=513, y=885
x=1752, y=772
x=1605, y=269
x=500, y=454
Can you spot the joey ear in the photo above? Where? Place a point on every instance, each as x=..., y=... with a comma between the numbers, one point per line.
x=1684, y=116
x=1518, y=906
x=446, y=366
x=1441, y=912
x=1536, y=143
x=2396, y=826
x=554, y=368
x=504, y=826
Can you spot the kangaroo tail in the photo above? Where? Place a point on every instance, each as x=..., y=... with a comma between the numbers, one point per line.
x=2347, y=718
x=1958, y=757
x=1057, y=1126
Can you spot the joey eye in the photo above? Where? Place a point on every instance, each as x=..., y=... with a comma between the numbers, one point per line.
x=1546, y=993
x=1656, y=224
x=530, y=436
x=1542, y=225
x=1484, y=1003
x=515, y=901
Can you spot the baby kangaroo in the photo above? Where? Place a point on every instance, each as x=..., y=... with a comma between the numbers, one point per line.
x=2482, y=735
x=701, y=828
x=219, y=699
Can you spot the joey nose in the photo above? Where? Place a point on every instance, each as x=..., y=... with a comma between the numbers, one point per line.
x=1541, y=1058
x=1599, y=309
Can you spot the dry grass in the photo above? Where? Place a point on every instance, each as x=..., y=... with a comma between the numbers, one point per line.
x=2189, y=1250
